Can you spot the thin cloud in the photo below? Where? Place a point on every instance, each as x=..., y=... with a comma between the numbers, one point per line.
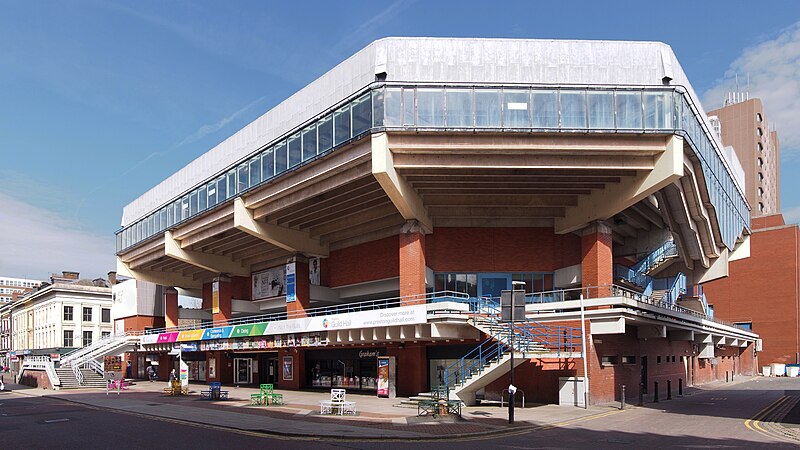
x=207, y=129
x=366, y=28
x=36, y=242
x=773, y=67
x=791, y=215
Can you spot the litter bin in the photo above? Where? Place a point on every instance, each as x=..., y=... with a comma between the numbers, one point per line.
x=766, y=371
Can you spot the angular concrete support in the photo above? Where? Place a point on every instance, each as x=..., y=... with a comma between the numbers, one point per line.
x=651, y=331
x=681, y=335
x=604, y=203
x=210, y=262
x=161, y=278
x=404, y=197
x=285, y=238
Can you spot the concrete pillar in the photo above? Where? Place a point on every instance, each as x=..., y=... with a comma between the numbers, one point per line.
x=224, y=292
x=412, y=263
x=171, y=307
x=302, y=287
x=597, y=262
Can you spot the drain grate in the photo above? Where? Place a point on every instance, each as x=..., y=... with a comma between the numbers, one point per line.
x=154, y=404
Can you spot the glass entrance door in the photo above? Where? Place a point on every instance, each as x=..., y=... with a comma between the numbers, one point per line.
x=490, y=284
x=242, y=371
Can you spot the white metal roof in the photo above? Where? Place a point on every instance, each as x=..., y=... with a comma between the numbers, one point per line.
x=440, y=60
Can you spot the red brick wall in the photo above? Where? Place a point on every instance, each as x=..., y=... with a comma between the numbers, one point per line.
x=374, y=260
x=500, y=249
x=171, y=308
x=36, y=378
x=774, y=220
x=411, y=368
x=241, y=288
x=597, y=269
x=412, y=265
x=763, y=289
x=538, y=379
x=299, y=377
x=139, y=323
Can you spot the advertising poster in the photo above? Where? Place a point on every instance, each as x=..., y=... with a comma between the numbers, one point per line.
x=383, y=377
x=215, y=297
x=291, y=294
x=212, y=368
x=288, y=368
x=269, y=283
x=313, y=271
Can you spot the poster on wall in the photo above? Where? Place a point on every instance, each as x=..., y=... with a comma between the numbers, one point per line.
x=313, y=271
x=288, y=368
x=383, y=377
x=269, y=283
x=215, y=297
x=290, y=285
x=212, y=368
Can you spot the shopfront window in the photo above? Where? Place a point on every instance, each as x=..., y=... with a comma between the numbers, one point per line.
x=349, y=369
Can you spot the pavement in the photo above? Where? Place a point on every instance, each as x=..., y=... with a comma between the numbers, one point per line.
x=376, y=418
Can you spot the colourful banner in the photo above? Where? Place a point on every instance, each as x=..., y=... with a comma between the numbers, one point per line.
x=215, y=297
x=216, y=333
x=167, y=338
x=291, y=294
x=242, y=331
x=258, y=329
x=190, y=335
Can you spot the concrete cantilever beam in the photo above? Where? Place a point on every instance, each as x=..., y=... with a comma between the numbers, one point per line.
x=403, y=196
x=207, y=261
x=161, y=278
x=285, y=238
x=604, y=203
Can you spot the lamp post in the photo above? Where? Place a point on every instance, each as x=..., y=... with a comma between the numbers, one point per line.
x=516, y=286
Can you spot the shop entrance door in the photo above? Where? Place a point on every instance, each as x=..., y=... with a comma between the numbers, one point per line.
x=242, y=371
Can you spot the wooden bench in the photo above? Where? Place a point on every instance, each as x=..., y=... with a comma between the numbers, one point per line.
x=175, y=388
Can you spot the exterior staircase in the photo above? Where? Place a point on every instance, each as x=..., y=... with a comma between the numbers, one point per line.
x=492, y=358
x=67, y=377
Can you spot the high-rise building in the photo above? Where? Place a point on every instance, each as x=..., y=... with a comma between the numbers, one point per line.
x=770, y=273
x=9, y=286
x=743, y=125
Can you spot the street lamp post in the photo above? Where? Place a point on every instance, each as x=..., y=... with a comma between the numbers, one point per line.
x=516, y=286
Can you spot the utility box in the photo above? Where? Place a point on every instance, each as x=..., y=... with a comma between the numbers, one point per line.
x=571, y=391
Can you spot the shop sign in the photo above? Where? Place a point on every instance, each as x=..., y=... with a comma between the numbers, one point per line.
x=368, y=354
x=167, y=338
x=55, y=357
x=242, y=331
x=216, y=333
x=150, y=339
x=191, y=347
x=406, y=315
x=215, y=297
x=190, y=335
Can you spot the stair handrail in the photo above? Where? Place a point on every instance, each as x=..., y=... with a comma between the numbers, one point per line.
x=96, y=366
x=79, y=357
x=475, y=360
x=41, y=363
x=76, y=370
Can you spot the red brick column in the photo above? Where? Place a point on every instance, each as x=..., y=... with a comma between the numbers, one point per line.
x=412, y=262
x=225, y=296
x=302, y=286
x=171, y=307
x=597, y=267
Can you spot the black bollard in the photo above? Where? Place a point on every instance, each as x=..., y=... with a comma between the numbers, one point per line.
x=680, y=387
x=726, y=376
x=641, y=394
x=655, y=392
x=622, y=402
x=669, y=389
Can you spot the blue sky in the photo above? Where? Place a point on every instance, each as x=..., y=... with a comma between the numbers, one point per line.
x=101, y=100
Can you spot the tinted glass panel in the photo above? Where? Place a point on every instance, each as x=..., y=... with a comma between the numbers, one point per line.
x=362, y=115
x=244, y=177
x=341, y=125
x=280, y=158
x=309, y=143
x=459, y=108
x=295, y=150
x=325, y=136
x=255, y=171
x=408, y=106
x=377, y=108
x=430, y=107
x=268, y=163
x=629, y=110
x=601, y=109
x=573, y=109
x=545, y=109
x=393, y=107
x=487, y=108
x=516, y=111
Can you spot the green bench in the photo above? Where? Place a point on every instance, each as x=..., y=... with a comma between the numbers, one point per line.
x=266, y=396
x=439, y=404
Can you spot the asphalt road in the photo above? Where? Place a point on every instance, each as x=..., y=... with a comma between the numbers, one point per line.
x=722, y=418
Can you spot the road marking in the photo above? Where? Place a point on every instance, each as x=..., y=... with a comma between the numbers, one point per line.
x=56, y=420
x=754, y=423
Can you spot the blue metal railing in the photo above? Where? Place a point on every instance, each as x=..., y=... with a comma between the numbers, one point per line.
x=475, y=361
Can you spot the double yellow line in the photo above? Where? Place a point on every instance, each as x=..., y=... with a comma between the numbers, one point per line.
x=756, y=422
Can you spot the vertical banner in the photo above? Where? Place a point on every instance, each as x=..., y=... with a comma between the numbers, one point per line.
x=291, y=295
x=383, y=377
x=288, y=368
x=184, y=367
x=215, y=297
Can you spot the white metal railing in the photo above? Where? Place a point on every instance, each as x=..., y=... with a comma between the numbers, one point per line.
x=95, y=350
x=76, y=370
x=41, y=363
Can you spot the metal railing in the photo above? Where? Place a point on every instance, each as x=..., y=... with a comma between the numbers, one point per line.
x=41, y=363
